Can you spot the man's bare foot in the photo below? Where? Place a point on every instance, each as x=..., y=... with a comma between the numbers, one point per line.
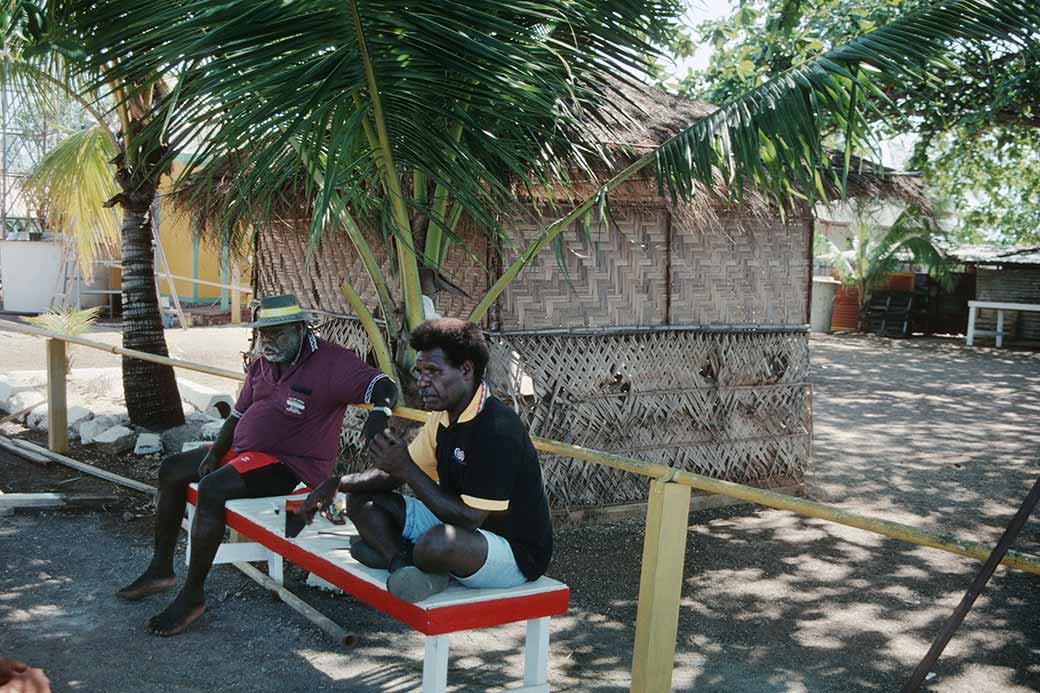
x=146, y=585
x=176, y=618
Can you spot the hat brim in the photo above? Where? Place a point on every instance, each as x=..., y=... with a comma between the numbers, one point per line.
x=302, y=316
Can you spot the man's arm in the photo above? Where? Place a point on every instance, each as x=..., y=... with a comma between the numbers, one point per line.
x=391, y=456
x=383, y=397
x=369, y=481
x=220, y=446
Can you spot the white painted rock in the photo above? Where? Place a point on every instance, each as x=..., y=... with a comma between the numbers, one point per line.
x=211, y=430
x=201, y=397
x=148, y=444
x=115, y=439
x=24, y=398
x=6, y=390
x=89, y=430
x=194, y=445
x=76, y=416
x=37, y=418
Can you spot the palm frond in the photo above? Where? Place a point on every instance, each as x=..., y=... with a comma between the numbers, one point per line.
x=526, y=81
x=67, y=321
x=772, y=136
x=72, y=183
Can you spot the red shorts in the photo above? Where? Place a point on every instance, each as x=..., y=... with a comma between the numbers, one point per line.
x=247, y=461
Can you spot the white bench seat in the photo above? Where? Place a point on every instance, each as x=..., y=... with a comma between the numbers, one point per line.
x=262, y=522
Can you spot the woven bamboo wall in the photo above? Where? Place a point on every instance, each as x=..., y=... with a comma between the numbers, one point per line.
x=659, y=267
x=731, y=405
x=727, y=402
x=740, y=271
x=283, y=265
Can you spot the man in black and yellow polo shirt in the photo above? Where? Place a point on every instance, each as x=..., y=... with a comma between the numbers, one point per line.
x=479, y=513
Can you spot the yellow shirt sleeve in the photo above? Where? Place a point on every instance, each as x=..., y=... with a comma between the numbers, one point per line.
x=423, y=449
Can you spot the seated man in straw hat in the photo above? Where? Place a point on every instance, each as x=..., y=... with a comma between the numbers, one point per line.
x=479, y=514
x=284, y=429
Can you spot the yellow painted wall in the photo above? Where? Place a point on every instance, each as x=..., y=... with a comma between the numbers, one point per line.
x=175, y=234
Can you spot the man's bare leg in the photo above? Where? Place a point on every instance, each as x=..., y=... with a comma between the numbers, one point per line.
x=176, y=472
x=207, y=533
x=441, y=551
x=451, y=549
x=379, y=519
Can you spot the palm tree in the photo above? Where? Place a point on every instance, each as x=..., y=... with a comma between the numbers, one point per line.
x=97, y=168
x=402, y=117
x=874, y=253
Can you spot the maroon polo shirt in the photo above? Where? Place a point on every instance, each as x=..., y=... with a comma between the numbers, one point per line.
x=297, y=417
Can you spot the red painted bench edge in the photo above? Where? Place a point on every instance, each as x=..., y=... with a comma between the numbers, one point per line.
x=434, y=621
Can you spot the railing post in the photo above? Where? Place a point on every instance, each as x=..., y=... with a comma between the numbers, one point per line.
x=57, y=415
x=236, y=298
x=660, y=586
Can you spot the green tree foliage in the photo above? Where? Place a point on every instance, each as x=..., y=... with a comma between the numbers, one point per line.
x=42, y=53
x=976, y=123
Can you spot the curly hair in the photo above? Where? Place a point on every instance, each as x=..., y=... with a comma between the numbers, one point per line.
x=460, y=340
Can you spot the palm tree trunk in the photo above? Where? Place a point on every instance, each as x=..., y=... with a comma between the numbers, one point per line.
x=152, y=397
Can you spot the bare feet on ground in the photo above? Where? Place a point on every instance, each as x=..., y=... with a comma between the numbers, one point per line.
x=146, y=585
x=175, y=619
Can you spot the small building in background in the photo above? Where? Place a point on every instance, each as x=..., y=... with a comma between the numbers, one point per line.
x=1006, y=275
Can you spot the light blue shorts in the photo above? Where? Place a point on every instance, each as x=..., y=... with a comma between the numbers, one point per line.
x=499, y=569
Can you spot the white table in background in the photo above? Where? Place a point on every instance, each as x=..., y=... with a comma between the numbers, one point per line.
x=973, y=308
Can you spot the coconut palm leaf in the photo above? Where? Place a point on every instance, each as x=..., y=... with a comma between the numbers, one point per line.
x=73, y=182
x=771, y=137
x=526, y=81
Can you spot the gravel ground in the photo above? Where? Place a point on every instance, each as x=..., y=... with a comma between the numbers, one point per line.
x=920, y=431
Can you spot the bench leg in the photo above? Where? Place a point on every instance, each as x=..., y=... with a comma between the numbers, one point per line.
x=1000, y=328
x=274, y=568
x=435, y=664
x=969, y=339
x=536, y=655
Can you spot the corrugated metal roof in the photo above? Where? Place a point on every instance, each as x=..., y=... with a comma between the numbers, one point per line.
x=996, y=255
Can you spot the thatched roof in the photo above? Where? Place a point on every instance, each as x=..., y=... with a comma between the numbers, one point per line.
x=645, y=117
x=642, y=118
x=989, y=254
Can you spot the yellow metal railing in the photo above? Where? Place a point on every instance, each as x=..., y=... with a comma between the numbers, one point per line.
x=664, y=545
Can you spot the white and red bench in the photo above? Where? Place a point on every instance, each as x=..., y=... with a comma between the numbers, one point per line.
x=456, y=609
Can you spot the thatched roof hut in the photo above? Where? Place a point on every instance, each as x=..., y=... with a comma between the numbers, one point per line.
x=676, y=333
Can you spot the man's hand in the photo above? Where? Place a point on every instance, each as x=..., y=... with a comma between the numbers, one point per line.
x=209, y=464
x=391, y=455
x=18, y=677
x=10, y=667
x=374, y=425
x=319, y=498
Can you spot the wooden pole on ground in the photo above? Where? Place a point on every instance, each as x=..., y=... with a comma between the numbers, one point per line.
x=57, y=415
x=80, y=466
x=327, y=625
x=660, y=586
x=10, y=446
x=24, y=501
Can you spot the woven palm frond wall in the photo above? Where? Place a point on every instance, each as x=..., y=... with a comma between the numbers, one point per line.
x=669, y=337
x=731, y=405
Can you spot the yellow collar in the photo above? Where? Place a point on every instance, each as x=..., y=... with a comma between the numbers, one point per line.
x=475, y=406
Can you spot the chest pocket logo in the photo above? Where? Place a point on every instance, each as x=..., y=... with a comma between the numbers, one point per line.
x=295, y=406
x=459, y=455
